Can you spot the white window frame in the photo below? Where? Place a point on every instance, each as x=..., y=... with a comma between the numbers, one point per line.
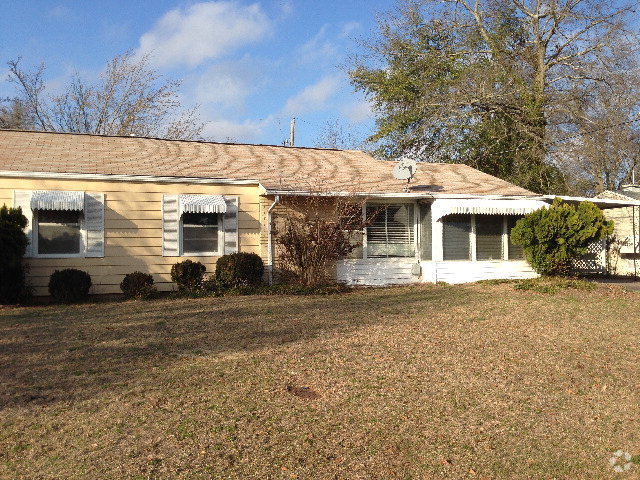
x=83, y=239
x=217, y=253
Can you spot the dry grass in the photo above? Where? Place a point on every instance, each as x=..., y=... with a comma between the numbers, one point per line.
x=478, y=381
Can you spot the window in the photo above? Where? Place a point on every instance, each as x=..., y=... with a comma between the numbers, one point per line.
x=515, y=251
x=489, y=230
x=201, y=233
x=391, y=234
x=425, y=231
x=456, y=231
x=59, y=232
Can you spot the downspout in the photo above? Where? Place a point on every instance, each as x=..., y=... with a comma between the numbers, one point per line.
x=270, y=238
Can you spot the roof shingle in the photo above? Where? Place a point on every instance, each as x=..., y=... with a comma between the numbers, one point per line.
x=275, y=167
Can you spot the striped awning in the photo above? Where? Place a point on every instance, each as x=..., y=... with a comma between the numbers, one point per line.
x=450, y=206
x=57, y=200
x=202, y=204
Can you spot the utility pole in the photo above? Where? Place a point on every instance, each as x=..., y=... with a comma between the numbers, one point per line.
x=292, y=133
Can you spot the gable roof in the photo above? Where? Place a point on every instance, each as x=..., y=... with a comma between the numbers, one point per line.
x=283, y=169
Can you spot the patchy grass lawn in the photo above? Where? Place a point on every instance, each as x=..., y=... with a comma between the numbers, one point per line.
x=476, y=381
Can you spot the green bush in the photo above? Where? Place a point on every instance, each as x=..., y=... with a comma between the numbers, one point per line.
x=553, y=284
x=13, y=244
x=239, y=270
x=188, y=275
x=138, y=285
x=554, y=238
x=69, y=285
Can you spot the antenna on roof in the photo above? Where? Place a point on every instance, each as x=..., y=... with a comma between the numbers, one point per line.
x=405, y=169
x=292, y=133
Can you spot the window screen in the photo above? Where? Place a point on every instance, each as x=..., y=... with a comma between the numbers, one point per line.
x=58, y=232
x=391, y=232
x=456, y=237
x=200, y=232
x=489, y=237
x=425, y=231
x=515, y=251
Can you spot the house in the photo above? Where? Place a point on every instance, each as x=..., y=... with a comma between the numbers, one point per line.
x=625, y=250
x=111, y=205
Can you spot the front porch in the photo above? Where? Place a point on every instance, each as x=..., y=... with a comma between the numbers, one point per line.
x=442, y=240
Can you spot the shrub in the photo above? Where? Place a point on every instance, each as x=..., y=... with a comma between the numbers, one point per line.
x=211, y=286
x=188, y=275
x=239, y=270
x=554, y=238
x=138, y=285
x=13, y=243
x=315, y=233
x=69, y=285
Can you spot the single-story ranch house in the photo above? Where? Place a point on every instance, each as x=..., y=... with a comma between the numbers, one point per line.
x=112, y=205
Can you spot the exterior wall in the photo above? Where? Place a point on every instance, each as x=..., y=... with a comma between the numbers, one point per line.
x=465, y=272
x=377, y=271
x=621, y=256
x=133, y=229
x=401, y=271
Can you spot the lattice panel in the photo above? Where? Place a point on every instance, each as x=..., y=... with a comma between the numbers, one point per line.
x=594, y=261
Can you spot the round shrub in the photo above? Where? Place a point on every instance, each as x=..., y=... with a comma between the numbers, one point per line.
x=554, y=238
x=188, y=275
x=69, y=285
x=239, y=270
x=138, y=285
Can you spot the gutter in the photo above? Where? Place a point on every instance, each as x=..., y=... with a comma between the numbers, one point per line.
x=126, y=178
x=270, y=237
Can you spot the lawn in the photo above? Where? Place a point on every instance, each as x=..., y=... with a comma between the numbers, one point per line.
x=476, y=381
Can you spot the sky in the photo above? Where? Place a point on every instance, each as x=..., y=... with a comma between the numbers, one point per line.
x=251, y=66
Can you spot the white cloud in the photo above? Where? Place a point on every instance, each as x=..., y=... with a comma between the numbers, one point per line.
x=349, y=29
x=358, y=112
x=203, y=31
x=228, y=84
x=319, y=47
x=222, y=130
x=313, y=98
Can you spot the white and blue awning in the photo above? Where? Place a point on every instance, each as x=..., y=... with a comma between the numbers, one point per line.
x=57, y=200
x=202, y=204
x=450, y=206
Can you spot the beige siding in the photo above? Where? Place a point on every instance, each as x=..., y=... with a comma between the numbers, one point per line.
x=622, y=262
x=133, y=229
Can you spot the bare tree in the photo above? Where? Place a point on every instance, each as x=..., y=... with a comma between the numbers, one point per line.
x=130, y=98
x=605, y=144
x=335, y=134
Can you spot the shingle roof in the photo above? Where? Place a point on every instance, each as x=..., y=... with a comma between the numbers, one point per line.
x=275, y=167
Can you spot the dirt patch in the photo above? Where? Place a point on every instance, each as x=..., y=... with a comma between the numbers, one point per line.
x=306, y=393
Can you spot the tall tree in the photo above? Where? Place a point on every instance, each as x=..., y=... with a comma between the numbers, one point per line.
x=129, y=98
x=488, y=82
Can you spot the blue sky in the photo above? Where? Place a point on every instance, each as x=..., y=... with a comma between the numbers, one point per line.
x=250, y=65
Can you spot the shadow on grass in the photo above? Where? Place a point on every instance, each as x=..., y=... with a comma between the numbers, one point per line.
x=59, y=354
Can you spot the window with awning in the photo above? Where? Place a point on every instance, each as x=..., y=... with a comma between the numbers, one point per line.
x=62, y=223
